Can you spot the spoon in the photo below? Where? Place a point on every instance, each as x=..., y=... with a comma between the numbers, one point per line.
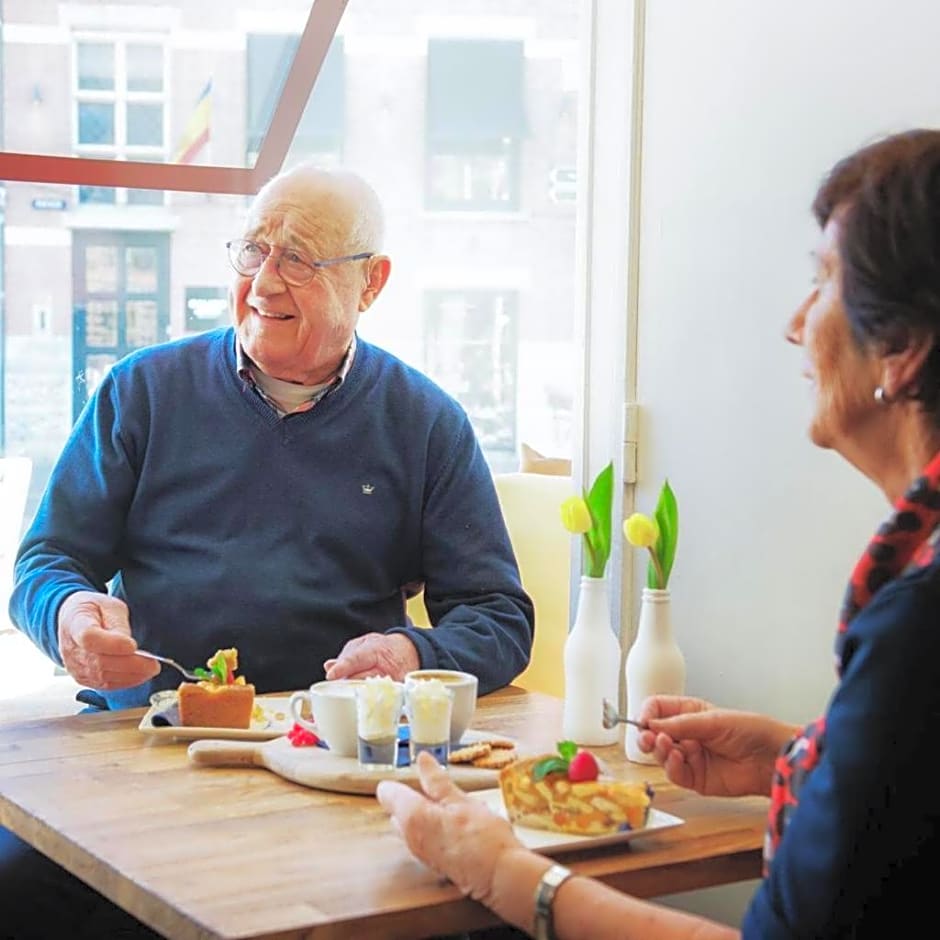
x=170, y=662
x=612, y=717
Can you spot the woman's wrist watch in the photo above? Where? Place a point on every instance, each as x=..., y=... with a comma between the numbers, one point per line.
x=549, y=884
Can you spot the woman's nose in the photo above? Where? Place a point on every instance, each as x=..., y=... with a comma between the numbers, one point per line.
x=794, y=330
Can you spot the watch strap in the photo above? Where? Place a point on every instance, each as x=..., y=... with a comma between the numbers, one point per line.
x=548, y=885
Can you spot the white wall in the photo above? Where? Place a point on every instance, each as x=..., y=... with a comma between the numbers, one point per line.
x=747, y=104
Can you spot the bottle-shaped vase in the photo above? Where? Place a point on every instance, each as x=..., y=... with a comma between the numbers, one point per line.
x=654, y=666
x=592, y=667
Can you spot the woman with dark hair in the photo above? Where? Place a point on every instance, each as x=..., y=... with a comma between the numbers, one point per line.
x=853, y=837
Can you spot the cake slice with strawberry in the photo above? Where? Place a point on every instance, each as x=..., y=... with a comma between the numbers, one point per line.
x=567, y=793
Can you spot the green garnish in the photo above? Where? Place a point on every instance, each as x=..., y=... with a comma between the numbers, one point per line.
x=202, y=673
x=551, y=765
x=220, y=670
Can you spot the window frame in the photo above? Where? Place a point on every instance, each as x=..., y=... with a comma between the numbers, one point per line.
x=120, y=98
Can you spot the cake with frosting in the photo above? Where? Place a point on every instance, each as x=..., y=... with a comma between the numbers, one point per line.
x=220, y=699
x=567, y=793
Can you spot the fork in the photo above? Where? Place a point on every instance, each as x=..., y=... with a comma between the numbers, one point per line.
x=170, y=662
x=612, y=717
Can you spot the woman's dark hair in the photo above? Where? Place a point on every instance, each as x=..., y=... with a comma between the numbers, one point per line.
x=886, y=197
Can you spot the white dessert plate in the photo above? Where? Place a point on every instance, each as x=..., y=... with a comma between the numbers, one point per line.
x=551, y=843
x=275, y=720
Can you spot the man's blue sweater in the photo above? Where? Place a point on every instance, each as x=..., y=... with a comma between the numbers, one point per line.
x=222, y=524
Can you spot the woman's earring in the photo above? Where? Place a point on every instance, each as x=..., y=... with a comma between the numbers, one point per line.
x=881, y=396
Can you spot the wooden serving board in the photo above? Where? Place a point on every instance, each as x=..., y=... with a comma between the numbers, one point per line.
x=319, y=768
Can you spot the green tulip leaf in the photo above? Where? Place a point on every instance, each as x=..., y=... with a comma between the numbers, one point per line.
x=667, y=519
x=600, y=501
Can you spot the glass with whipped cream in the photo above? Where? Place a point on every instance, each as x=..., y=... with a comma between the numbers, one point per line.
x=379, y=702
x=428, y=705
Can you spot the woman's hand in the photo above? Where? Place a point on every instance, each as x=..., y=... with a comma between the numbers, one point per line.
x=715, y=751
x=448, y=831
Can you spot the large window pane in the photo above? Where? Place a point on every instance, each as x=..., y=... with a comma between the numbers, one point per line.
x=479, y=189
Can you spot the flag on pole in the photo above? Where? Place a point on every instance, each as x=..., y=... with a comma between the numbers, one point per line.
x=196, y=134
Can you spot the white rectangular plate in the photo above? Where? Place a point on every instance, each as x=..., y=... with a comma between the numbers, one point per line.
x=277, y=720
x=551, y=843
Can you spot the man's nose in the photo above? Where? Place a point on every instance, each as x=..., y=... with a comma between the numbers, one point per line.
x=268, y=278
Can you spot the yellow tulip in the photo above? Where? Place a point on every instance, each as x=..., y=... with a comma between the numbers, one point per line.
x=641, y=531
x=575, y=515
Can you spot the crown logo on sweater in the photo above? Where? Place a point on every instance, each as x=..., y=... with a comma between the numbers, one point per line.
x=367, y=489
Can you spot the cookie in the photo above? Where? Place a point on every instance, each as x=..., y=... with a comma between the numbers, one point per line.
x=495, y=741
x=470, y=753
x=496, y=760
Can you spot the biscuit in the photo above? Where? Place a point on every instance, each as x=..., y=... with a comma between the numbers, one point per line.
x=496, y=760
x=470, y=753
x=495, y=741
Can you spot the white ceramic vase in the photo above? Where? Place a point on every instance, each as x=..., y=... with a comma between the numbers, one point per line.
x=592, y=667
x=655, y=664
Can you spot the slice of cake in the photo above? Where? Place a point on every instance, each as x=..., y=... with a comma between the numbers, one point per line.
x=220, y=700
x=567, y=794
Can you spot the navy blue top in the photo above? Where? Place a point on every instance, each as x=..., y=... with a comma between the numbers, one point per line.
x=222, y=524
x=862, y=850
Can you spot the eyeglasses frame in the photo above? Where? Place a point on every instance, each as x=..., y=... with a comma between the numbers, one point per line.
x=311, y=263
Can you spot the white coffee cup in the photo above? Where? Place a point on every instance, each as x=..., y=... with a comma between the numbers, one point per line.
x=333, y=703
x=464, y=685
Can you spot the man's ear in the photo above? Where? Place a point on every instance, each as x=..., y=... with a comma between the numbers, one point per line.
x=379, y=269
x=901, y=370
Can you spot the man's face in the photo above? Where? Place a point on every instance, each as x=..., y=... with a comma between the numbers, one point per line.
x=299, y=334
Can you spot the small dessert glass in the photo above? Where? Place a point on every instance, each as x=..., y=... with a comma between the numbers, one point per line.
x=428, y=705
x=379, y=702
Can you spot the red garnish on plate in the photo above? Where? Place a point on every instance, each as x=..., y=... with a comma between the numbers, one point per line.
x=300, y=736
x=583, y=766
x=579, y=765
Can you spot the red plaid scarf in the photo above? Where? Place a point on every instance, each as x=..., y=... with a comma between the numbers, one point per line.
x=902, y=543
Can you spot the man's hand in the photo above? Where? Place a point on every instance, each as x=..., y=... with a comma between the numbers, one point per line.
x=375, y=654
x=96, y=645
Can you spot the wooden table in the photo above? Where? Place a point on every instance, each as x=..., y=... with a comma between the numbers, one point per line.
x=241, y=853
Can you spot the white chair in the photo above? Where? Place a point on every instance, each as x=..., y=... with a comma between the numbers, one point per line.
x=531, y=504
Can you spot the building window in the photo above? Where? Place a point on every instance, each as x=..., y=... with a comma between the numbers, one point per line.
x=120, y=108
x=319, y=135
x=475, y=124
x=470, y=339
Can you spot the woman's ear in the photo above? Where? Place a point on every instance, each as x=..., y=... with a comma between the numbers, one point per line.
x=901, y=370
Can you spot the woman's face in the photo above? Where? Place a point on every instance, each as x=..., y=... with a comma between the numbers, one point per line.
x=842, y=375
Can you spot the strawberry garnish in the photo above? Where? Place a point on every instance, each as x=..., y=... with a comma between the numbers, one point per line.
x=577, y=764
x=583, y=766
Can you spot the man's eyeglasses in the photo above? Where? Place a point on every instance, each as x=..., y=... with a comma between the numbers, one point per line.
x=295, y=269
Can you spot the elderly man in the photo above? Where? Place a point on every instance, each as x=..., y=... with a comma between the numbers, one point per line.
x=276, y=487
